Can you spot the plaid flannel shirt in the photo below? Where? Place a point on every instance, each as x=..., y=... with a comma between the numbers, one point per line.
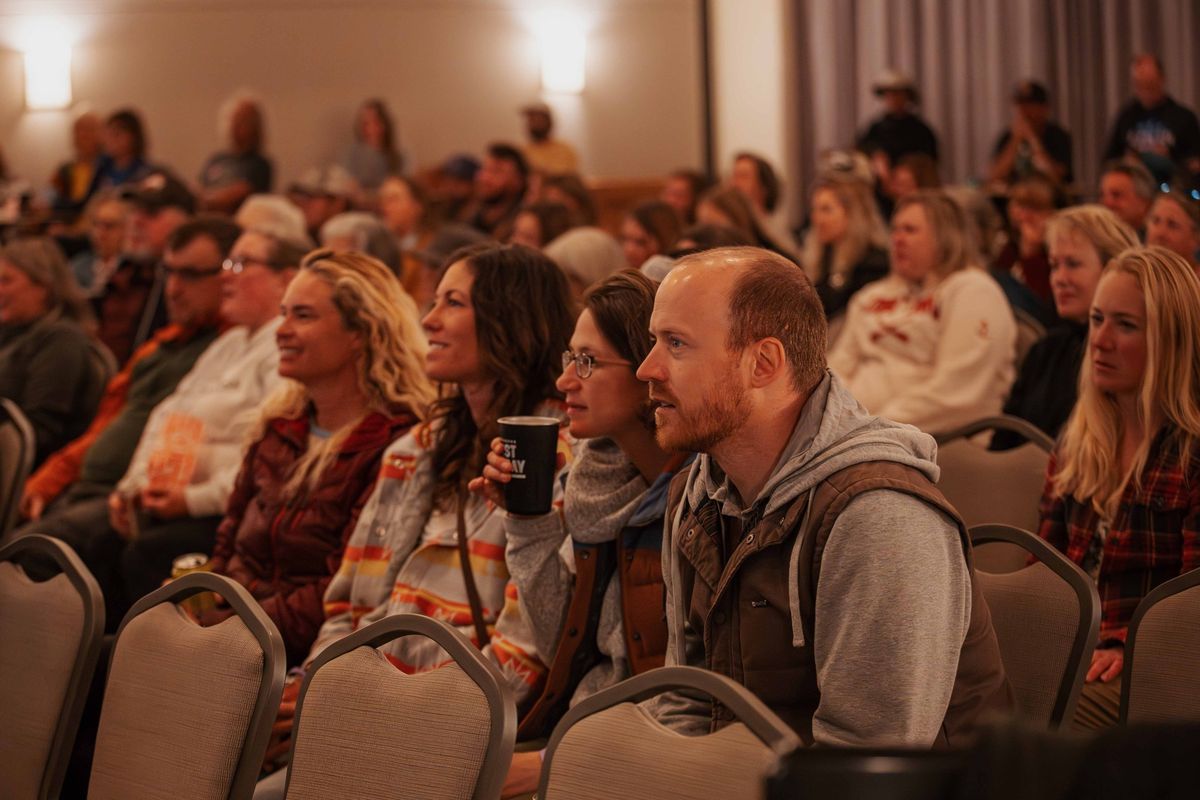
x=1155, y=535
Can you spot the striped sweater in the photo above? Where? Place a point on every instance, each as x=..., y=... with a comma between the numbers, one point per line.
x=403, y=558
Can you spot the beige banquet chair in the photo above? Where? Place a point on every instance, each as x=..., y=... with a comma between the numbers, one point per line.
x=50, y=638
x=364, y=729
x=1162, y=655
x=607, y=746
x=987, y=486
x=1047, y=619
x=188, y=710
x=16, y=460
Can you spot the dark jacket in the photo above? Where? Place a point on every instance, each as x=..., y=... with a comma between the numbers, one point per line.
x=46, y=370
x=835, y=291
x=1046, y=386
x=284, y=550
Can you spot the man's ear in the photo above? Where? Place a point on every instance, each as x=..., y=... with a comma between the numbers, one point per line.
x=768, y=362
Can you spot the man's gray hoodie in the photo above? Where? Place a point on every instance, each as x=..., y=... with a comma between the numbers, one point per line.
x=893, y=603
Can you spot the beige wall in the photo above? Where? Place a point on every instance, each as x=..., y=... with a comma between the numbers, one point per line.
x=453, y=72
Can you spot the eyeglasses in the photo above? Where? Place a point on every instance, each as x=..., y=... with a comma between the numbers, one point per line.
x=190, y=274
x=585, y=361
x=234, y=266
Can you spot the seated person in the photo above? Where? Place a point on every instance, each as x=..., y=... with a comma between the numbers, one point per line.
x=613, y=505
x=586, y=256
x=539, y=223
x=45, y=365
x=726, y=206
x=404, y=553
x=68, y=496
x=933, y=343
x=106, y=218
x=1082, y=239
x=366, y=233
x=1023, y=259
x=1122, y=497
x=233, y=174
x=350, y=344
x=1033, y=143
x=808, y=554
x=1127, y=189
x=846, y=245
x=182, y=472
x=1174, y=223
x=649, y=229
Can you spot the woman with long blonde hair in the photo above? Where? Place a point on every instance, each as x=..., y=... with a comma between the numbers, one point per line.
x=352, y=348
x=846, y=245
x=1122, y=497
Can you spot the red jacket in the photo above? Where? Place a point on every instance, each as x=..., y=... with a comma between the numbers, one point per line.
x=284, y=550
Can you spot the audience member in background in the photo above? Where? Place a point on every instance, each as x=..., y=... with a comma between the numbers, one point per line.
x=912, y=173
x=1127, y=189
x=45, y=364
x=1024, y=259
x=106, y=218
x=1153, y=127
x=985, y=223
x=373, y=156
x=613, y=507
x=68, y=496
x=1033, y=144
x=500, y=188
x=452, y=186
x=538, y=224
x=366, y=233
x=899, y=131
x=756, y=179
x=350, y=343
x=728, y=207
x=75, y=181
x=1082, y=240
x=1174, y=222
x=406, y=211
x=707, y=237
x=233, y=174
x=1122, y=497
x=274, y=215
x=545, y=153
x=682, y=192
x=124, y=159
x=793, y=478
x=129, y=307
x=174, y=493
x=586, y=256
x=321, y=193
x=650, y=228
x=403, y=556
x=570, y=190
x=933, y=343
x=846, y=245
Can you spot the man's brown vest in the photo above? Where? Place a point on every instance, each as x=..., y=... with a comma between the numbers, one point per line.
x=742, y=609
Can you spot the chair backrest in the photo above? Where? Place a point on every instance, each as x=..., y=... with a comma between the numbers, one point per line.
x=1029, y=331
x=17, y=447
x=988, y=486
x=1162, y=655
x=366, y=729
x=606, y=746
x=188, y=710
x=1047, y=620
x=51, y=633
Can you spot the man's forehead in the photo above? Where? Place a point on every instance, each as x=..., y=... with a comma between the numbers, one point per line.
x=695, y=293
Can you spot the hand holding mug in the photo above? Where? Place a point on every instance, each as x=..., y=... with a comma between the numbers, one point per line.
x=497, y=472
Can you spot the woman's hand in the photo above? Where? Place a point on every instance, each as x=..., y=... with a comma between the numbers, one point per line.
x=281, y=732
x=165, y=503
x=496, y=472
x=523, y=774
x=1106, y=664
x=32, y=506
x=118, y=514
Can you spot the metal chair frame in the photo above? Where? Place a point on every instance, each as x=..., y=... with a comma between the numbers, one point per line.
x=1182, y=583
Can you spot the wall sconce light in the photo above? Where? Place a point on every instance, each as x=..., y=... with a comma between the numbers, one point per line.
x=46, y=44
x=563, y=46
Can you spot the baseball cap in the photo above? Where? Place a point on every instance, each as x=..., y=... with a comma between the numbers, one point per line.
x=158, y=190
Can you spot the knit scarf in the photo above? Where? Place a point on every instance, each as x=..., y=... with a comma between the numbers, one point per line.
x=603, y=490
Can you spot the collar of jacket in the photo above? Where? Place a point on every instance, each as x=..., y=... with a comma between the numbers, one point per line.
x=373, y=431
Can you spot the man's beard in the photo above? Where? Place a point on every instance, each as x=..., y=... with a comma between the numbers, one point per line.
x=714, y=421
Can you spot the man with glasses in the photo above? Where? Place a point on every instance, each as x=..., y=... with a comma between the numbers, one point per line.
x=68, y=496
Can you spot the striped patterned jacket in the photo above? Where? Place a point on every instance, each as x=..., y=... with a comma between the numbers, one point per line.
x=403, y=558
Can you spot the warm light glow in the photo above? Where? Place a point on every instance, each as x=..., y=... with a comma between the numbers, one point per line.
x=48, y=78
x=563, y=46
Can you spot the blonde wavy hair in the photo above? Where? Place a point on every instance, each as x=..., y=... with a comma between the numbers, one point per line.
x=864, y=227
x=391, y=366
x=1089, y=453
x=1100, y=227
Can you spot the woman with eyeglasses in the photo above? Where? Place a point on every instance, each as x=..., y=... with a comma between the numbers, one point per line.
x=351, y=350
x=608, y=582
x=423, y=544
x=44, y=332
